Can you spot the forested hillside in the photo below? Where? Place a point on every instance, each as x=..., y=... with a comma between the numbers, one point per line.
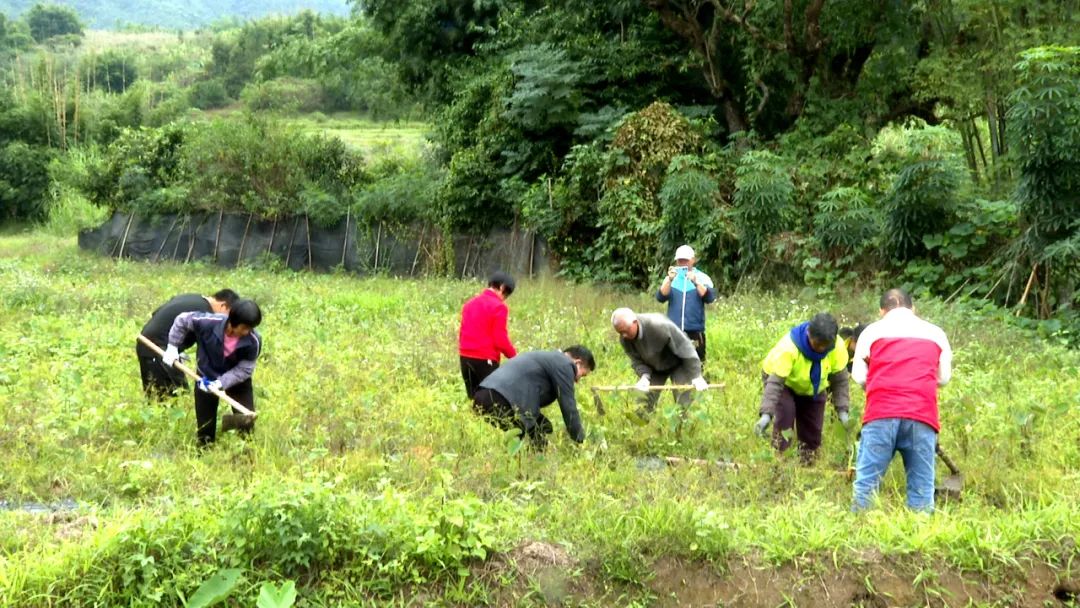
x=176, y=14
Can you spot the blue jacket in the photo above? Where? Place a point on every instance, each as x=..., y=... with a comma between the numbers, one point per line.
x=686, y=308
x=209, y=332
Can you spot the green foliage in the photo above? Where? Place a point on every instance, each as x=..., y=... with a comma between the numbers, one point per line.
x=208, y=94
x=24, y=181
x=283, y=95
x=273, y=596
x=257, y=167
x=693, y=211
x=845, y=222
x=400, y=193
x=215, y=590
x=1045, y=121
x=762, y=203
x=544, y=95
x=922, y=198
x=112, y=71
x=51, y=20
x=469, y=198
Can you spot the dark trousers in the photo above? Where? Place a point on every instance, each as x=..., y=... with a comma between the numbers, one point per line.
x=159, y=381
x=498, y=411
x=806, y=414
x=698, y=338
x=473, y=372
x=206, y=406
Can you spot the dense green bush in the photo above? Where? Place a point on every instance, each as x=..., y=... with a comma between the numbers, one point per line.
x=51, y=20
x=763, y=200
x=208, y=94
x=284, y=95
x=24, y=181
x=112, y=71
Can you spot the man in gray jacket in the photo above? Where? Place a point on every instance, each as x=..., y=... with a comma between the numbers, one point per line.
x=512, y=395
x=658, y=350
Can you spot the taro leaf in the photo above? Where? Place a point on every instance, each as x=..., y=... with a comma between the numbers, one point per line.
x=514, y=440
x=215, y=589
x=272, y=596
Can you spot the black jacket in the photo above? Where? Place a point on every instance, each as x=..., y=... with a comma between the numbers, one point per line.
x=161, y=321
x=534, y=380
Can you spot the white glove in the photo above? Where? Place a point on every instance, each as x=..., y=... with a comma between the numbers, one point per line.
x=643, y=383
x=699, y=383
x=170, y=356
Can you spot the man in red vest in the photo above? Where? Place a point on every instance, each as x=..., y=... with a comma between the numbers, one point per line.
x=482, y=338
x=900, y=360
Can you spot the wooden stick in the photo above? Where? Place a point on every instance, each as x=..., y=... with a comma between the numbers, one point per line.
x=236, y=405
x=657, y=387
x=1023, y=298
x=123, y=241
x=675, y=460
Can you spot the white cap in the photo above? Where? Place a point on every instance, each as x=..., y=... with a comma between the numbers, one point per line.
x=684, y=252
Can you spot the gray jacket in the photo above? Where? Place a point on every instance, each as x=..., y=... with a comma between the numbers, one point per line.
x=660, y=346
x=534, y=380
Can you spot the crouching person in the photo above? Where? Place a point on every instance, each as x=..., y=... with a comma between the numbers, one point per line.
x=797, y=371
x=228, y=348
x=512, y=396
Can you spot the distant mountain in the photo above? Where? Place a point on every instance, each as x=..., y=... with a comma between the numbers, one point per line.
x=176, y=14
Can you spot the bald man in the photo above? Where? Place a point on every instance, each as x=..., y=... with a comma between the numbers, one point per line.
x=658, y=350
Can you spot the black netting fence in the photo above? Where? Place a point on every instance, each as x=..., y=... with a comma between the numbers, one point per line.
x=298, y=243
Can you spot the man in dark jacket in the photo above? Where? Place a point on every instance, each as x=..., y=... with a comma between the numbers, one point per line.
x=228, y=347
x=158, y=380
x=512, y=395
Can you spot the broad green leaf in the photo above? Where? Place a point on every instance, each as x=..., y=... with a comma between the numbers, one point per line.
x=272, y=596
x=215, y=589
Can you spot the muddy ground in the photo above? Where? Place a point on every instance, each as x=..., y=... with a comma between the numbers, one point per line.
x=547, y=575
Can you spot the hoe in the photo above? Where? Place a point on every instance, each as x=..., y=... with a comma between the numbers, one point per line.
x=244, y=420
x=596, y=390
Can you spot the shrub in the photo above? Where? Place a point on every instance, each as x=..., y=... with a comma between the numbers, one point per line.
x=208, y=94
x=763, y=198
x=24, y=181
x=284, y=95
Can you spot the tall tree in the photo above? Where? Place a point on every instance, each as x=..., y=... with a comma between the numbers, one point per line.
x=49, y=20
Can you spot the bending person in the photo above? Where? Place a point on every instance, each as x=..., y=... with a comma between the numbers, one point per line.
x=228, y=348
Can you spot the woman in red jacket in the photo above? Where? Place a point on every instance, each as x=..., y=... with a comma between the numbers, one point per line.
x=482, y=337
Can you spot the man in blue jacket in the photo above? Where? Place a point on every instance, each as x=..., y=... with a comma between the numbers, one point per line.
x=687, y=290
x=228, y=348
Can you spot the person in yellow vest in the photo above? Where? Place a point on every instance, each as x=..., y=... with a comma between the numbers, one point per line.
x=807, y=364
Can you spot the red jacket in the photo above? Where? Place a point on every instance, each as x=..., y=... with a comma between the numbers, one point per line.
x=901, y=360
x=483, y=328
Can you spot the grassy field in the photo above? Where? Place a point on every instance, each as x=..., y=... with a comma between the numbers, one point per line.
x=368, y=480
x=373, y=139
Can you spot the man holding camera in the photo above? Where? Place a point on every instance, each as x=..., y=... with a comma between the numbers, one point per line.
x=687, y=290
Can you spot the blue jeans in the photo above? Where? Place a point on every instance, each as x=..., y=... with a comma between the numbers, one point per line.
x=881, y=439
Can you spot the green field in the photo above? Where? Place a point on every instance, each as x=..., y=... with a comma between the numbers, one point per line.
x=403, y=139
x=369, y=480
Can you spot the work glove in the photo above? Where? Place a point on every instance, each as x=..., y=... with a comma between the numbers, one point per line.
x=643, y=383
x=208, y=385
x=845, y=419
x=762, y=424
x=170, y=356
x=699, y=383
